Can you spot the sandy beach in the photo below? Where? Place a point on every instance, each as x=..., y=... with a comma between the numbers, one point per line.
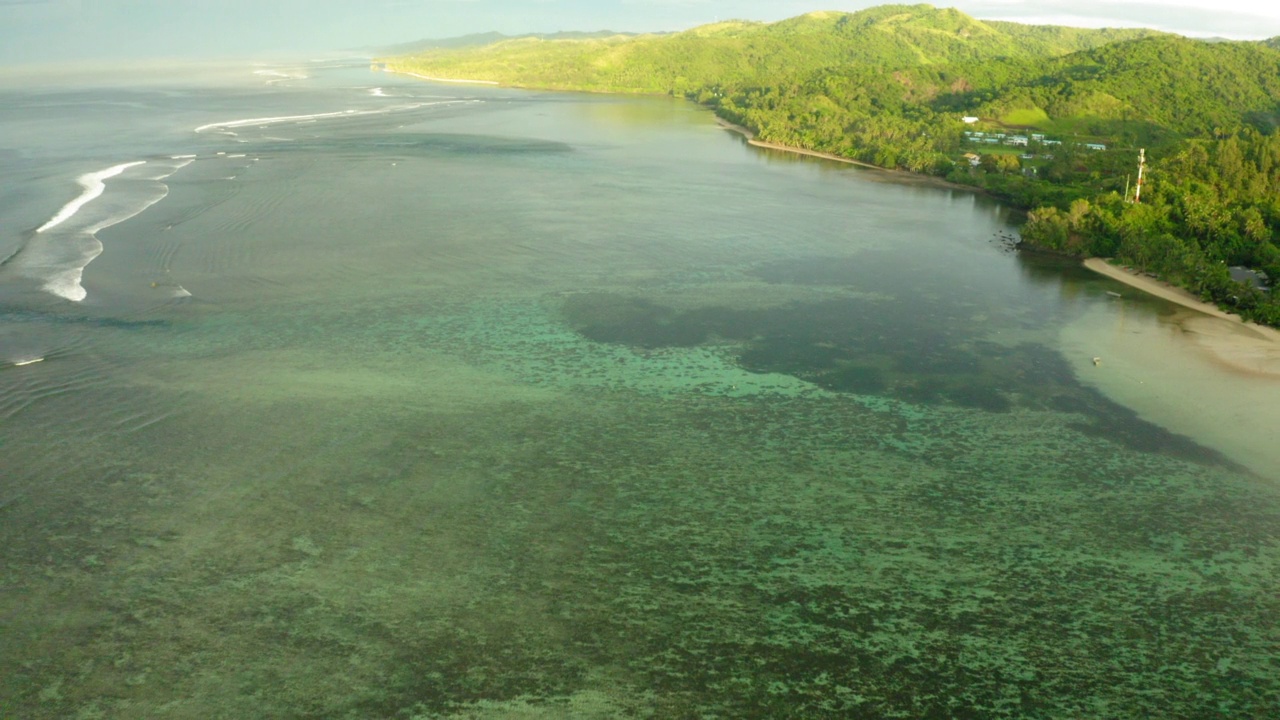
x=1229, y=341
x=440, y=79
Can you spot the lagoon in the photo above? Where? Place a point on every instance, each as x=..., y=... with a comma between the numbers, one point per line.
x=395, y=399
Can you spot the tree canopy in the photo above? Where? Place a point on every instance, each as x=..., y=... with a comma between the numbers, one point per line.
x=1061, y=114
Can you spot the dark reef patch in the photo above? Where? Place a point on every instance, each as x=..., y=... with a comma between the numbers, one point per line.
x=918, y=348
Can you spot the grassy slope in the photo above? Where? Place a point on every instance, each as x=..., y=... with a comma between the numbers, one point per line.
x=739, y=52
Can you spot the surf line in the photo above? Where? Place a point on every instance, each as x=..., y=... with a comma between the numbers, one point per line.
x=93, y=186
x=316, y=116
x=59, y=258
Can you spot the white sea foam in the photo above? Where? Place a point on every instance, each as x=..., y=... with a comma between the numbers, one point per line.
x=278, y=75
x=162, y=172
x=182, y=157
x=93, y=186
x=64, y=246
x=267, y=121
x=30, y=361
x=377, y=92
x=260, y=121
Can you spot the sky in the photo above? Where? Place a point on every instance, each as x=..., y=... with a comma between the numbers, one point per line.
x=36, y=32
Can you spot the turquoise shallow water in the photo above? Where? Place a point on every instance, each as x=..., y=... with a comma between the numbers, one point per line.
x=575, y=406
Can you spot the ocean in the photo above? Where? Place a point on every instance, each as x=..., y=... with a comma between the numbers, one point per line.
x=329, y=393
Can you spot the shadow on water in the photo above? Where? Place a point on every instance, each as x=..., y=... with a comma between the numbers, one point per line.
x=921, y=347
x=13, y=316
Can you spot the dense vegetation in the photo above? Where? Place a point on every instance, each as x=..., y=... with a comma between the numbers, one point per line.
x=890, y=86
x=1216, y=204
x=742, y=55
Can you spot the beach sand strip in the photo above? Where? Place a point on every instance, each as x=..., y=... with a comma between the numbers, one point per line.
x=1232, y=342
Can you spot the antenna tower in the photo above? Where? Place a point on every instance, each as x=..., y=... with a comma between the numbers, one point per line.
x=1142, y=164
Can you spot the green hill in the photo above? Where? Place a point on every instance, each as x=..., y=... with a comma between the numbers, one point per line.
x=1187, y=86
x=890, y=85
x=741, y=52
x=487, y=38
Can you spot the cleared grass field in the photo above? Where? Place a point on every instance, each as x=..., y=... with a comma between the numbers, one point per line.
x=1026, y=116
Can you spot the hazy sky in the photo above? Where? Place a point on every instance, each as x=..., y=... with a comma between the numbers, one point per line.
x=39, y=31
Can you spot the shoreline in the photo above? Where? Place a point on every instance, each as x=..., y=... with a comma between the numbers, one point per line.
x=1160, y=289
x=1236, y=344
x=901, y=176
x=898, y=175
x=459, y=81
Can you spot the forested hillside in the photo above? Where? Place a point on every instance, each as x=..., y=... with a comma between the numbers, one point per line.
x=740, y=53
x=1048, y=118
x=1187, y=86
x=1213, y=204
